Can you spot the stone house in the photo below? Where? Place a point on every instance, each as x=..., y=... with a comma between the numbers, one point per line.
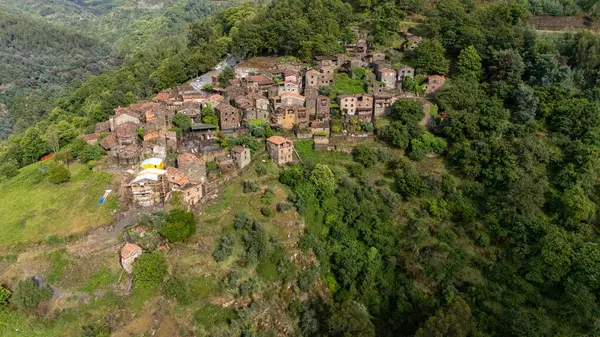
x=129, y=253
x=191, y=194
x=373, y=57
x=176, y=178
x=311, y=78
x=382, y=104
x=360, y=106
x=225, y=164
x=127, y=133
x=149, y=187
x=192, y=166
x=318, y=106
x=103, y=127
x=359, y=48
x=327, y=61
x=319, y=127
x=127, y=155
x=229, y=116
x=288, y=87
x=412, y=42
x=124, y=116
x=434, y=83
x=405, y=71
x=289, y=99
x=326, y=76
x=259, y=83
x=284, y=117
x=109, y=142
x=241, y=156
x=387, y=76
x=302, y=115
x=280, y=149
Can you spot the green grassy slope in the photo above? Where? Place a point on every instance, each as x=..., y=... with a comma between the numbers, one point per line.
x=33, y=209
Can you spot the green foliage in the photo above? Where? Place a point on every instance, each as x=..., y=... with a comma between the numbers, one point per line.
x=182, y=121
x=99, y=279
x=428, y=143
x=343, y=84
x=58, y=174
x=178, y=290
x=27, y=294
x=211, y=166
x=5, y=295
x=323, y=179
x=9, y=169
x=430, y=58
x=454, y=320
x=365, y=154
x=224, y=249
x=149, y=270
x=284, y=206
x=350, y=318
x=95, y=330
x=249, y=186
x=266, y=211
x=407, y=115
x=469, y=63
x=179, y=225
x=213, y=315
x=225, y=76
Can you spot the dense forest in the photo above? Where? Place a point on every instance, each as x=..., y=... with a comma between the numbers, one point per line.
x=498, y=237
x=50, y=48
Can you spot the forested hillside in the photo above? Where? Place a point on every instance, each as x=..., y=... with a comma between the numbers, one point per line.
x=36, y=55
x=48, y=44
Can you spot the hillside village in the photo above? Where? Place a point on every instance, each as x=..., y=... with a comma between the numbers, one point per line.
x=144, y=142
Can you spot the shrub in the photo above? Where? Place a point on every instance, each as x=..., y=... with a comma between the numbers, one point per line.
x=9, y=169
x=211, y=166
x=179, y=225
x=95, y=330
x=27, y=294
x=179, y=290
x=355, y=170
x=268, y=196
x=307, y=279
x=58, y=174
x=365, y=154
x=255, y=243
x=249, y=186
x=149, y=270
x=88, y=153
x=284, y=206
x=248, y=287
x=224, y=248
x=266, y=211
x=182, y=121
x=213, y=315
x=4, y=296
x=261, y=169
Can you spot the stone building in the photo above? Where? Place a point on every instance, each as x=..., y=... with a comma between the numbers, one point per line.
x=193, y=167
x=129, y=253
x=229, y=116
x=241, y=156
x=388, y=77
x=280, y=149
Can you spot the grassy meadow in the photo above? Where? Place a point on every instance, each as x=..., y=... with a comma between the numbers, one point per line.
x=34, y=209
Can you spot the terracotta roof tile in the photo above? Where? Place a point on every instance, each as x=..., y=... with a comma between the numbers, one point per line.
x=187, y=158
x=278, y=140
x=129, y=250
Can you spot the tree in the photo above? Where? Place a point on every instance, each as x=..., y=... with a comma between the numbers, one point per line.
x=350, y=319
x=225, y=76
x=182, y=121
x=430, y=58
x=322, y=177
x=179, y=290
x=455, y=320
x=179, y=225
x=58, y=174
x=469, y=63
x=27, y=294
x=365, y=154
x=208, y=115
x=526, y=104
x=224, y=249
x=53, y=138
x=149, y=270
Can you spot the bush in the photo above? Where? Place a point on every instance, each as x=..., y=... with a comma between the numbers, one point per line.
x=58, y=174
x=9, y=169
x=307, y=279
x=88, y=153
x=179, y=290
x=356, y=170
x=149, y=270
x=268, y=196
x=211, y=166
x=179, y=225
x=224, y=248
x=95, y=330
x=365, y=154
x=261, y=169
x=249, y=186
x=182, y=121
x=4, y=296
x=248, y=287
x=284, y=206
x=27, y=294
x=266, y=211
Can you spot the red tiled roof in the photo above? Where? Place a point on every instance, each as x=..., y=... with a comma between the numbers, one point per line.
x=129, y=149
x=129, y=250
x=187, y=158
x=127, y=129
x=261, y=79
x=152, y=135
x=163, y=96
x=312, y=71
x=109, y=141
x=292, y=94
x=278, y=140
x=176, y=176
